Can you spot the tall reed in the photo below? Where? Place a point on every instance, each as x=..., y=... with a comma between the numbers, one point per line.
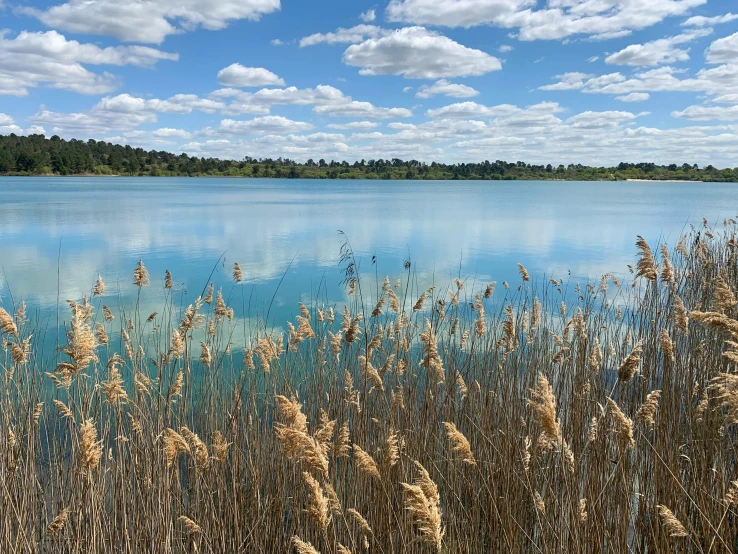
x=528, y=419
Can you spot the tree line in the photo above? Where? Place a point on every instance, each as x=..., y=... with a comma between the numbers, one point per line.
x=38, y=155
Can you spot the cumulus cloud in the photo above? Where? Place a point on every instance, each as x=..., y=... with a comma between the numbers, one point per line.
x=417, y=53
x=634, y=97
x=48, y=59
x=446, y=88
x=464, y=110
x=325, y=99
x=8, y=126
x=262, y=125
x=656, y=52
x=236, y=75
x=558, y=19
x=723, y=50
x=505, y=48
x=368, y=16
x=167, y=132
x=365, y=110
x=120, y=113
x=359, y=33
x=714, y=80
x=726, y=99
x=149, y=21
x=35, y=130
x=573, y=80
x=707, y=113
x=353, y=125
x=600, y=120
x=702, y=21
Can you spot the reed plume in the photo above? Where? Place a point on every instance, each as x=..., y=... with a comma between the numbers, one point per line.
x=56, y=527
x=100, y=287
x=190, y=526
x=303, y=547
x=646, y=265
x=647, y=412
x=365, y=462
x=424, y=504
x=7, y=325
x=622, y=426
x=141, y=275
x=672, y=525
x=542, y=404
x=630, y=365
x=723, y=297
x=459, y=443
x=90, y=449
x=237, y=274
x=432, y=360
x=360, y=521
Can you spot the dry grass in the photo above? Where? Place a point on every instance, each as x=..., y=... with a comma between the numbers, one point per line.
x=530, y=419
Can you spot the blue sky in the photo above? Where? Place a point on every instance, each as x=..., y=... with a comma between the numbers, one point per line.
x=544, y=81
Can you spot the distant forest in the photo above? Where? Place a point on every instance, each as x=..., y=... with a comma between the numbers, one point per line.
x=38, y=155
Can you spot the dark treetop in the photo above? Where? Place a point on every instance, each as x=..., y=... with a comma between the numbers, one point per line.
x=37, y=155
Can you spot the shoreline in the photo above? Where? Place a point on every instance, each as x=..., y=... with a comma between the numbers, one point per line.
x=205, y=176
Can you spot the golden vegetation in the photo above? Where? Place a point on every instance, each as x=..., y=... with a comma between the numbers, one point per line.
x=469, y=421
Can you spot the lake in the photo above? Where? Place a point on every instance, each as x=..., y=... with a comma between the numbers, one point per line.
x=57, y=234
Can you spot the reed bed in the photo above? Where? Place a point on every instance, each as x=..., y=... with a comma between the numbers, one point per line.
x=535, y=416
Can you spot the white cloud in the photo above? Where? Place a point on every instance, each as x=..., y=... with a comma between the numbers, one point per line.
x=35, y=130
x=634, y=97
x=149, y=21
x=325, y=99
x=417, y=53
x=5, y=119
x=656, y=52
x=603, y=19
x=401, y=126
x=723, y=50
x=368, y=16
x=407, y=89
x=262, y=125
x=600, y=120
x=593, y=59
x=505, y=48
x=702, y=21
x=726, y=99
x=365, y=110
x=569, y=81
x=359, y=33
x=472, y=109
x=707, y=113
x=167, y=132
x=47, y=58
x=179, y=103
x=715, y=80
x=446, y=88
x=353, y=125
x=123, y=112
x=236, y=75
x=276, y=42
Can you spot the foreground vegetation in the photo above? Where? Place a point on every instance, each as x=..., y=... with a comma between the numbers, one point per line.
x=37, y=155
x=485, y=418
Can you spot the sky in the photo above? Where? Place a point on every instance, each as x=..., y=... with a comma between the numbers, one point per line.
x=595, y=82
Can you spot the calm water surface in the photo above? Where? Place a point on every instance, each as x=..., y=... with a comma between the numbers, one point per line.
x=59, y=233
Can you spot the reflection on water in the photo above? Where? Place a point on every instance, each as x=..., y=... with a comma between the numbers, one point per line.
x=59, y=233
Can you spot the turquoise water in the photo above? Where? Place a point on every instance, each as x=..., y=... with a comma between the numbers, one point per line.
x=57, y=234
